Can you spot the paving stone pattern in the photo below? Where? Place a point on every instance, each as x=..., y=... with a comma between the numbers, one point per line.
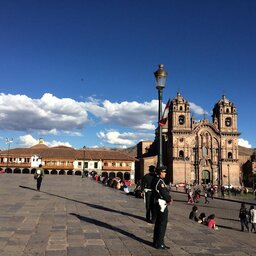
x=74, y=217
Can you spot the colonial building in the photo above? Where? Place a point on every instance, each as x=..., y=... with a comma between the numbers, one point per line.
x=203, y=151
x=198, y=151
x=68, y=161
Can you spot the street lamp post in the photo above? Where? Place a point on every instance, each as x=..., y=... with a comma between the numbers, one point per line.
x=8, y=141
x=186, y=159
x=160, y=76
x=228, y=180
x=83, y=174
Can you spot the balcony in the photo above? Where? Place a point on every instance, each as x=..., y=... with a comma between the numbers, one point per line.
x=59, y=166
x=116, y=168
x=16, y=165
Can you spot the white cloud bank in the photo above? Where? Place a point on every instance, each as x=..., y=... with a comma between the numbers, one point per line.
x=127, y=138
x=21, y=113
x=28, y=141
x=244, y=143
x=55, y=116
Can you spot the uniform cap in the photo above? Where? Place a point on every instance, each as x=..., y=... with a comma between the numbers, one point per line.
x=161, y=169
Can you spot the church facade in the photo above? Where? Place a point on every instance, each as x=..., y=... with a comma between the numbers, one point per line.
x=202, y=151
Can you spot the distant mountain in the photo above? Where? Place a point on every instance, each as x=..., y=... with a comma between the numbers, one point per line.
x=132, y=151
x=243, y=151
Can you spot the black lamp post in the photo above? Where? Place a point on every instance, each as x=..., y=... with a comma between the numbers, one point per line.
x=160, y=76
x=83, y=174
x=228, y=180
x=185, y=160
x=8, y=141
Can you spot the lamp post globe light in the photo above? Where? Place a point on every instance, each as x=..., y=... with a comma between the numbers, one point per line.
x=160, y=76
x=8, y=141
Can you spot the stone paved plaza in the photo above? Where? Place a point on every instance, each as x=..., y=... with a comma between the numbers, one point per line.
x=73, y=216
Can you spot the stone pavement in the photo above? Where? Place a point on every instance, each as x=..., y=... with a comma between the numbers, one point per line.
x=73, y=216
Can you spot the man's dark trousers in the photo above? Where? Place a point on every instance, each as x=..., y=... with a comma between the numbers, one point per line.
x=38, y=182
x=150, y=208
x=160, y=226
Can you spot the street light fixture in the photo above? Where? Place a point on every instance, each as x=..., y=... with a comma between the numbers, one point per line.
x=186, y=159
x=8, y=141
x=160, y=76
x=83, y=174
x=228, y=180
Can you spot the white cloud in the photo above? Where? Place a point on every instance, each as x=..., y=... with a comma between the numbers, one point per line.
x=114, y=137
x=244, y=143
x=73, y=133
x=45, y=132
x=21, y=113
x=55, y=143
x=126, y=114
x=28, y=141
x=197, y=109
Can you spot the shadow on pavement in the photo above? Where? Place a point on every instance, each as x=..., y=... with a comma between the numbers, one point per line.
x=108, y=226
x=100, y=207
x=226, y=227
x=229, y=219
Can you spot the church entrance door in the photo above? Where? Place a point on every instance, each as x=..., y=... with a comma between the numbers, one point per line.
x=206, y=177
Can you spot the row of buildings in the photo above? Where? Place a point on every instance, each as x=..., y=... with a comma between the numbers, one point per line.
x=194, y=151
x=64, y=160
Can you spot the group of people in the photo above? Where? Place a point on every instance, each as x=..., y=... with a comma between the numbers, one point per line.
x=208, y=221
x=156, y=198
x=247, y=217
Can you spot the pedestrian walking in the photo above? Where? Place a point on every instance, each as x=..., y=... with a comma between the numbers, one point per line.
x=38, y=176
x=252, y=214
x=163, y=199
x=206, y=201
x=146, y=186
x=243, y=216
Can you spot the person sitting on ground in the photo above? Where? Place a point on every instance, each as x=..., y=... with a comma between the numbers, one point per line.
x=202, y=218
x=211, y=223
x=193, y=214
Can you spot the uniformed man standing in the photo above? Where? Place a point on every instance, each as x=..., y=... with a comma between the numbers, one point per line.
x=146, y=187
x=162, y=200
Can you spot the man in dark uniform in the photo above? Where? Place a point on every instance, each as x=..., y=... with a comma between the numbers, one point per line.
x=162, y=200
x=146, y=187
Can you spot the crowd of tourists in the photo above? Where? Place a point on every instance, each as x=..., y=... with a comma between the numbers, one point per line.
x=113, y=182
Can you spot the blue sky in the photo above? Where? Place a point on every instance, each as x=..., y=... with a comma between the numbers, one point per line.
x=80, y=73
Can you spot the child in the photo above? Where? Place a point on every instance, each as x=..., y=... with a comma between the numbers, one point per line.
x=211, y=223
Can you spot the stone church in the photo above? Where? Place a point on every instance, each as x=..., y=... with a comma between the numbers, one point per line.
x=199, y=151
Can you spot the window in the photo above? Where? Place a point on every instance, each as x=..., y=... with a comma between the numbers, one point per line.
x=85, y=164
x=96, y=165
x=181, y=108
x=181, y=119
x=230, y=155
x=205, y=151
x=227, y=110
x=79, y=164
x=228, y=121
x=181, y=153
